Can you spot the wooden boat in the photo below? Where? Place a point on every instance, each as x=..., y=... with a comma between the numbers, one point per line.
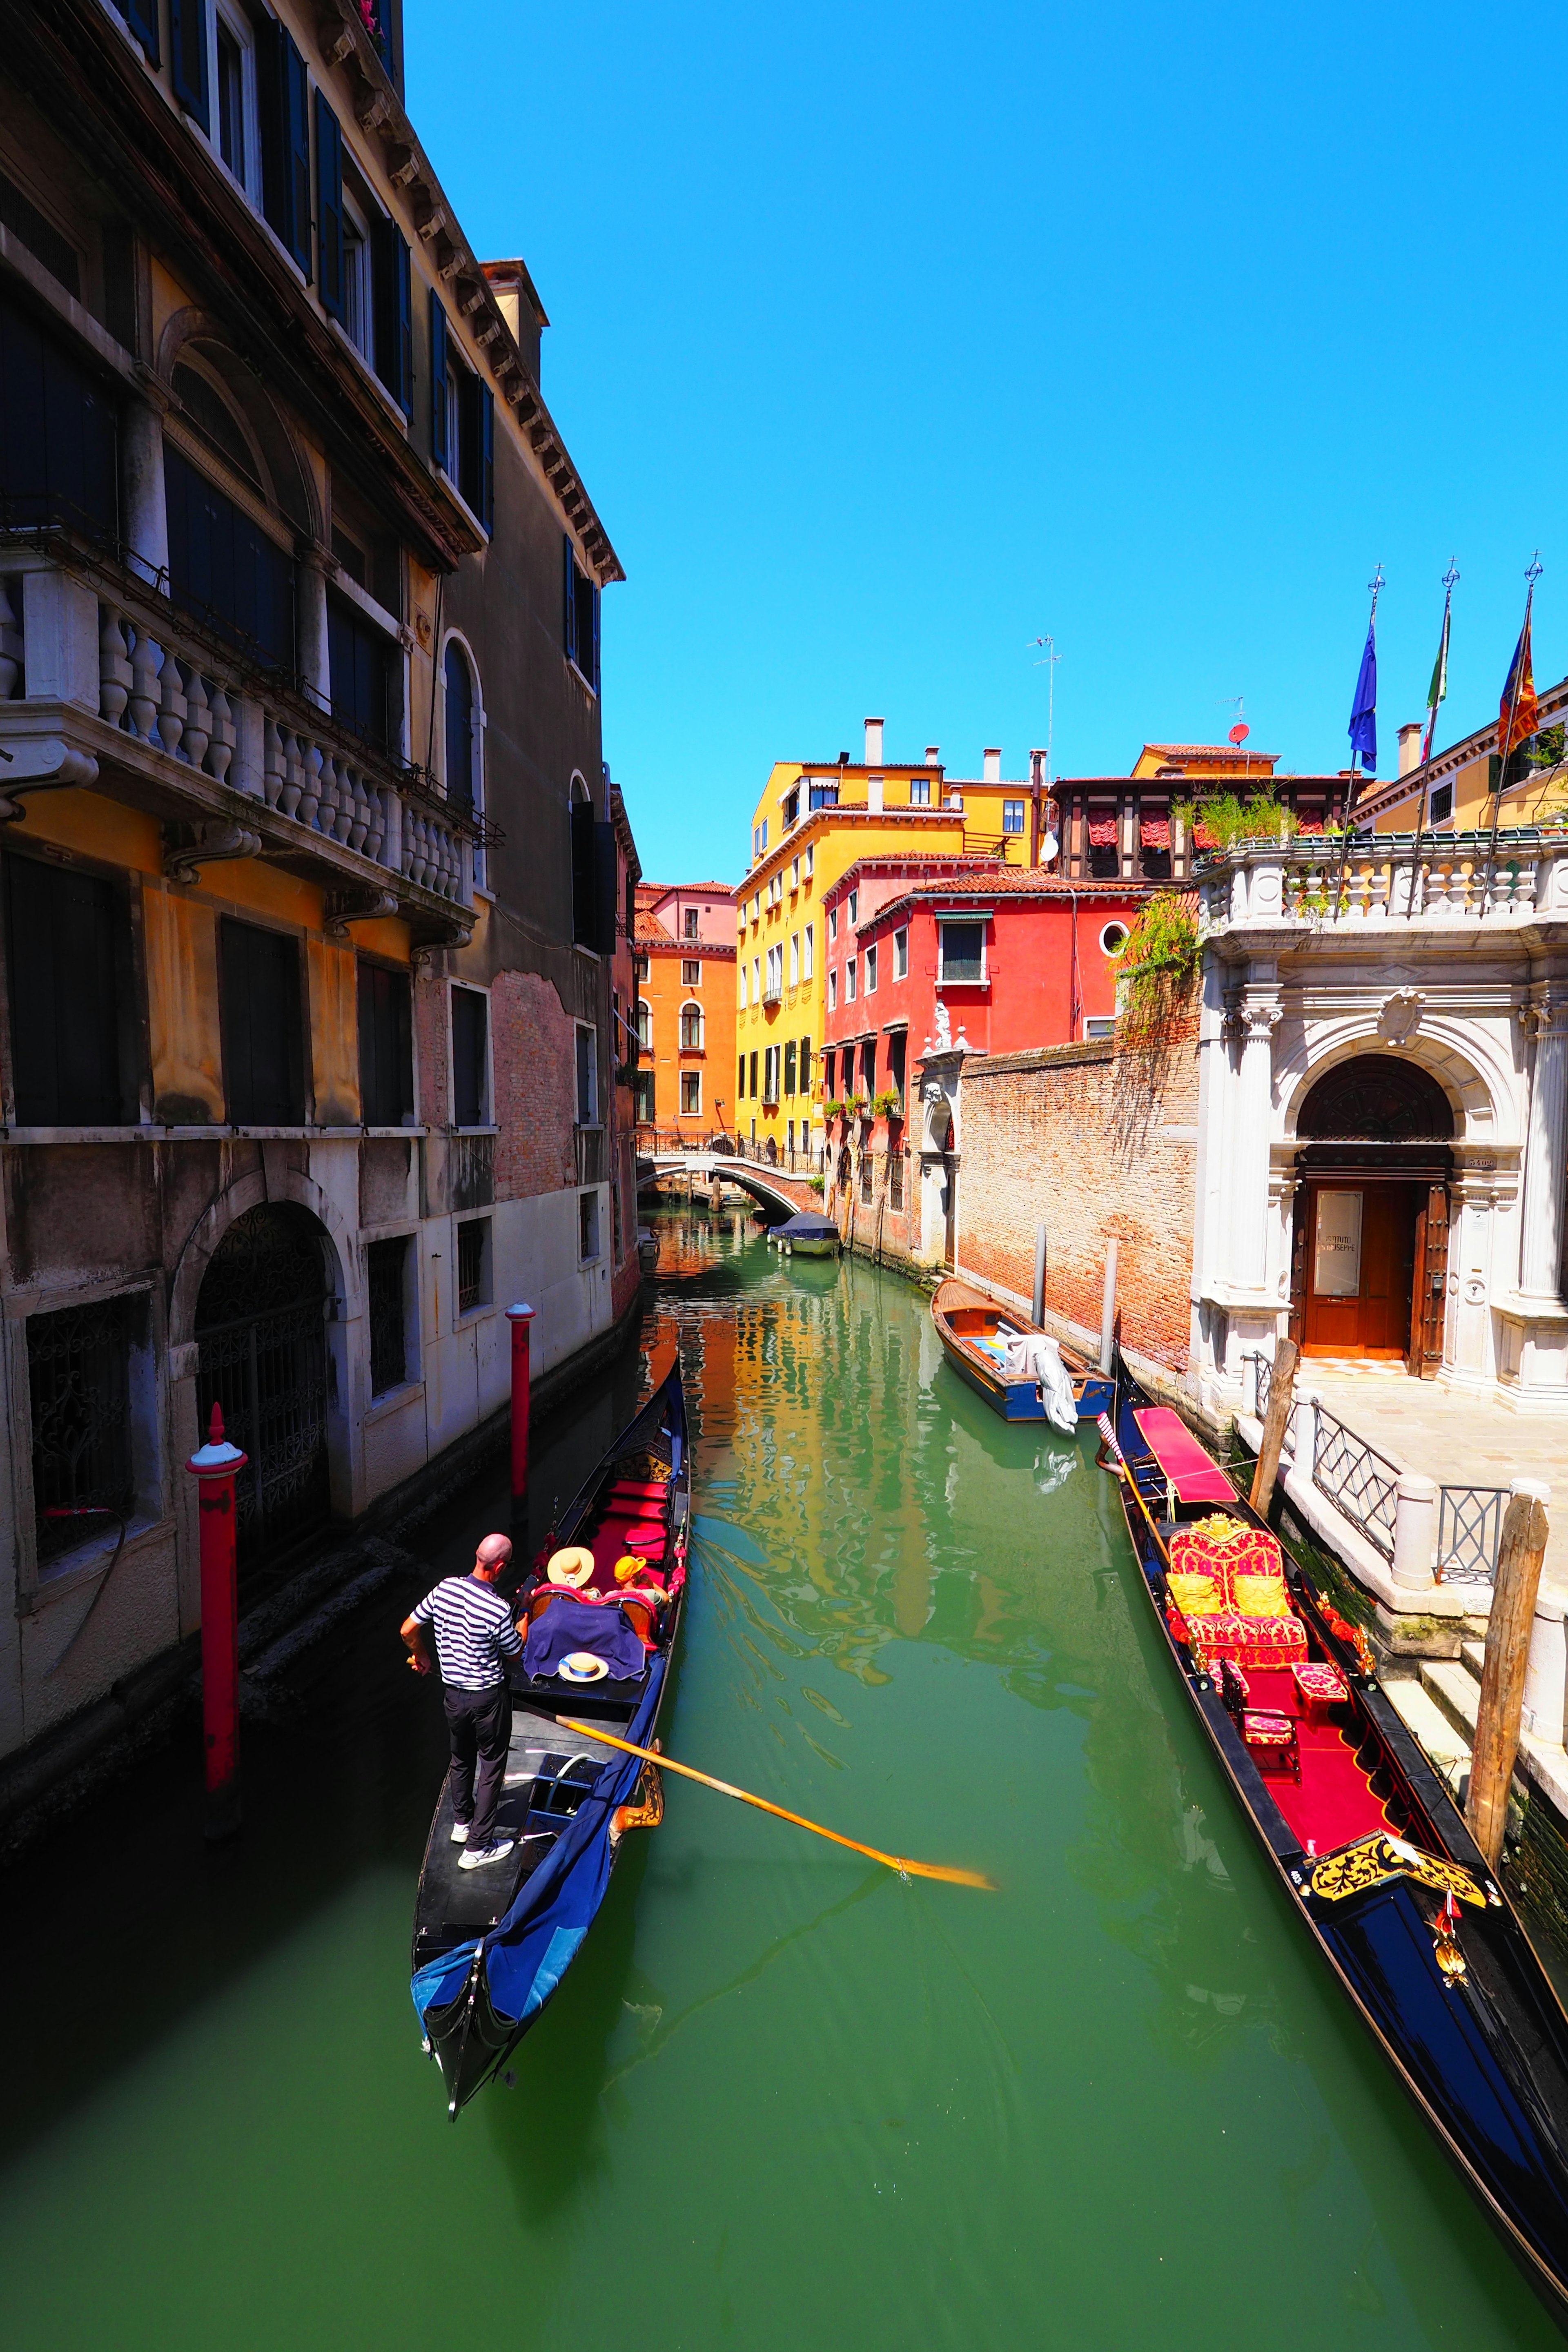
x=1377, y=1863
x=974, y=1331
x=491, y=1946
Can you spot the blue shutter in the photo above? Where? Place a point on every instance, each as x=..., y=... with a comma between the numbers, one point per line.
x=570, y=582
x=594, y=593
x=329, y=207
x=487, y=458
x=285, y=143
x=141, y=16
x=188, y=43
x=439, y=453
x=394, y=321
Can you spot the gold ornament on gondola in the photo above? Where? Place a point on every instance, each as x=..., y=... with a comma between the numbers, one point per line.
x=1446, y=1940
x=1372, y=1859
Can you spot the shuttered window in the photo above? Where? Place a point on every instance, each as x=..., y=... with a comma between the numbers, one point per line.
x=385, y=1047
x=362, y=673
x=393, y=314
x=141, y=16
x=581, y=629
x=584, y=925
x=223, y=567
x=459, y=714
x=329, y=208
x=58, y=434
x=68, y=960
x=440, y=450
x=470, y=1013
x=263, y=1056
x=188, y=55
x=285, y=142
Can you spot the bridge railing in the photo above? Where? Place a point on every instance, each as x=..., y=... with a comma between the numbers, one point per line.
x=786, y=1159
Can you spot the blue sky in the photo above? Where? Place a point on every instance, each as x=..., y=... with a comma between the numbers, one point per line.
x=889, y=338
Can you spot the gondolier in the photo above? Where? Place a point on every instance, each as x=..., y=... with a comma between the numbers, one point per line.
x=474, y=1637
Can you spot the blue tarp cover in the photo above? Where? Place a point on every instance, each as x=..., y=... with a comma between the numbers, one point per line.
x=528, y=1952
x=806, y=1228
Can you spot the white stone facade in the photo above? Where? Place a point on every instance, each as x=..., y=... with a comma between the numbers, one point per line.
x=1455, y=960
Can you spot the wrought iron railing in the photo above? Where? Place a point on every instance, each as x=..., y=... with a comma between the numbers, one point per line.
x=1469, y=1532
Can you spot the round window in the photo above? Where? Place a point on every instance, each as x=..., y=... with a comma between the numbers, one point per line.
x=1113, y=939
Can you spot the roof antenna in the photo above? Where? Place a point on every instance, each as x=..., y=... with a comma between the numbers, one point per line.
x=1047, y=662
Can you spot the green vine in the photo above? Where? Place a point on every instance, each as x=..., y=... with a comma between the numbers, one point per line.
x=1159, y=964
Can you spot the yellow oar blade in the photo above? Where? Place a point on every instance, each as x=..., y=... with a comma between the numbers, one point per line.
x=898, y=1862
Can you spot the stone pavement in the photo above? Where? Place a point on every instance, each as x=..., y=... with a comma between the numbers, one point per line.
x=1457, y=1439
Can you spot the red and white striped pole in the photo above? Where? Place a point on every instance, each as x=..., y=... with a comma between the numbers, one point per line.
x=519, y=1317
x=215, y=1466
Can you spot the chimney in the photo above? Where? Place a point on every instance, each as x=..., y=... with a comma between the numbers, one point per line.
x=1409, y=746
x=933, y=755
x=990, y=771
x=874, y=793
x=873, y=742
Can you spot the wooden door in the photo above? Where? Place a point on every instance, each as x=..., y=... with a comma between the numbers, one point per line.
x=1360, y=1246
x=1429, y=1284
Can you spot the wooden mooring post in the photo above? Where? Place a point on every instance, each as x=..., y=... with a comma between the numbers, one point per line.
x=1276, y=1421
x=1520, y=1555
x=1108, y=1307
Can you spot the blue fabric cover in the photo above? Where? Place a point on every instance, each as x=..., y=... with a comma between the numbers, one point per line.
x=567, y=1625
x=527, y=1952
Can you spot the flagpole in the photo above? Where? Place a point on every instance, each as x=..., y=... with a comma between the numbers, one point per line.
x=1531, y=575
x=1440, y=677
x=1374, y=583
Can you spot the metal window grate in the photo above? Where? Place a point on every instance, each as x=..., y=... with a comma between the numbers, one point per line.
x=385, y=1263
x=1469, y=1532
x=471, y=1265
x=79, y=1378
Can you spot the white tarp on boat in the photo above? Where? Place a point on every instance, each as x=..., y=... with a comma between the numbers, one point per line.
x=1031, y=1355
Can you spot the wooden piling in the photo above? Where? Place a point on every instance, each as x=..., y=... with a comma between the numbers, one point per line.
x=1276, y=1421
x=1520, y=1555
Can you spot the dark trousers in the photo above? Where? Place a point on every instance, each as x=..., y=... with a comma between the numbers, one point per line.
x=478, y=1723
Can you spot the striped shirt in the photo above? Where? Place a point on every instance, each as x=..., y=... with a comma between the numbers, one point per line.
x=474, y=1631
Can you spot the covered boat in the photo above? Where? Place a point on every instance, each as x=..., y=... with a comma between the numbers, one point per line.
x=1021, y=1370
x=811, y=1235
x=491, y=1946
x=1378, y=1865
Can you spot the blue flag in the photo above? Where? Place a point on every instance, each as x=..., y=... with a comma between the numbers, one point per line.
x=1363, y=709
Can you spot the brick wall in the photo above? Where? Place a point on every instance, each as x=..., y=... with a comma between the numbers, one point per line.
x=1096, y=1140
x=534, y=1047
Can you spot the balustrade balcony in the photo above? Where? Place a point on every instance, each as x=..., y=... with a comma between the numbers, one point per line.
x=104, y=682
x=1445, y=877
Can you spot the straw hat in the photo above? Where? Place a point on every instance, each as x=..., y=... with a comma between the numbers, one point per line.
x=571, y=1566
x=629, y=1565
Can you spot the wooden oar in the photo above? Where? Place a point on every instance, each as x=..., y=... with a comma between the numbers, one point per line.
x=898, y=1862
x=1108, y=1434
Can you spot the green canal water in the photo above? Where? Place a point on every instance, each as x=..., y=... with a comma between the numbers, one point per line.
x=782, y=2098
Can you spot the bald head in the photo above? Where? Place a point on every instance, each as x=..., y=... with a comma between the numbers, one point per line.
x=492, y=1557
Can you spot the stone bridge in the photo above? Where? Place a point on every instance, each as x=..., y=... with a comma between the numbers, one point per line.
x=780, y=1189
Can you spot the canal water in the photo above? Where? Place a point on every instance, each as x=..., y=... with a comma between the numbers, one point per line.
x=784, y=2098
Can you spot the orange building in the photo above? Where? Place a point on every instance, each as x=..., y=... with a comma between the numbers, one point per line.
x=685, y=1005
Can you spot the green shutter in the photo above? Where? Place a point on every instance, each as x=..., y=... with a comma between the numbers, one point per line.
x=141, y=16
x=285, y=143
x=329, y=207
x=188, y=46
x=393, y=318
x=569, y=632
x=487, y=508
x=594, y=595
x=439, y=453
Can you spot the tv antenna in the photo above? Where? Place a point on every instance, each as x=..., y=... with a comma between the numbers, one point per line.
x=1047, y=662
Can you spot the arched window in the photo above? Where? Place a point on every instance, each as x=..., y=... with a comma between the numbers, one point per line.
x=645, y=1025
x=460, y=761
x=691, y=1028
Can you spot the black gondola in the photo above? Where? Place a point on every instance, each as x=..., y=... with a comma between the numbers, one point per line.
x=491, y=1946
x=1377, y=1863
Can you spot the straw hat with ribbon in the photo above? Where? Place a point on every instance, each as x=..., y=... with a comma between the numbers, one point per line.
x=573, y=1566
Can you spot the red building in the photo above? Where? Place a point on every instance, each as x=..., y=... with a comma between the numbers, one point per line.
x=926, y=954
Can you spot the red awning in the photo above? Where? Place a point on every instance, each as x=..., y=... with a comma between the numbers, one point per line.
x=1154, y=832
x=1102, y=832
x=1196, y=1477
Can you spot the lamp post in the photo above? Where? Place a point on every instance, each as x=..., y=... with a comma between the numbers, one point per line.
x=215, y=1466
x=519, y=1317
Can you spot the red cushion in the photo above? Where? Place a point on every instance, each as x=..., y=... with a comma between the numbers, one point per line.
x=1250, y=1640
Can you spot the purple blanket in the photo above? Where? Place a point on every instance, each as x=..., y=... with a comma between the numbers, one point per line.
x=567, y=1625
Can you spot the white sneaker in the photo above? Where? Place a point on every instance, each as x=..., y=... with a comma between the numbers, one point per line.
x=477, y=1855
x=459, y=1833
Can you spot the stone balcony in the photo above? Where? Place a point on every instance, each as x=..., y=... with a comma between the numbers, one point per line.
x=105, y=683
x=1456, y=880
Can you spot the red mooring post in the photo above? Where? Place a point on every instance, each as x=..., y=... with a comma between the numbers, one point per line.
x=519, y=1317
x=215, y=1465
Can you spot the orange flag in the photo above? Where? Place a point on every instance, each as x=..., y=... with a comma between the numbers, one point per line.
x=1518, y=696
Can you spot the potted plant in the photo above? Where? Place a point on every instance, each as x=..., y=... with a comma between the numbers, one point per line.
x=856, y=1107
x=832, y=1110
x=889, y=1106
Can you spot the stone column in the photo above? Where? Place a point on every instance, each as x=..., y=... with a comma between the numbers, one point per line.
x=146, y=507
x=1415, y=1531
x=1540, y=1247
x=314, y=660
x=1260, y=1017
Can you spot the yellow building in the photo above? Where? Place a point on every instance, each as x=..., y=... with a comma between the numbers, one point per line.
x=1454, y=791
x=813, y=821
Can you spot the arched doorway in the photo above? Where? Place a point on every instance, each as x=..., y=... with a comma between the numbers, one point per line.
x=260, y=1326
x=1370, y=1249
